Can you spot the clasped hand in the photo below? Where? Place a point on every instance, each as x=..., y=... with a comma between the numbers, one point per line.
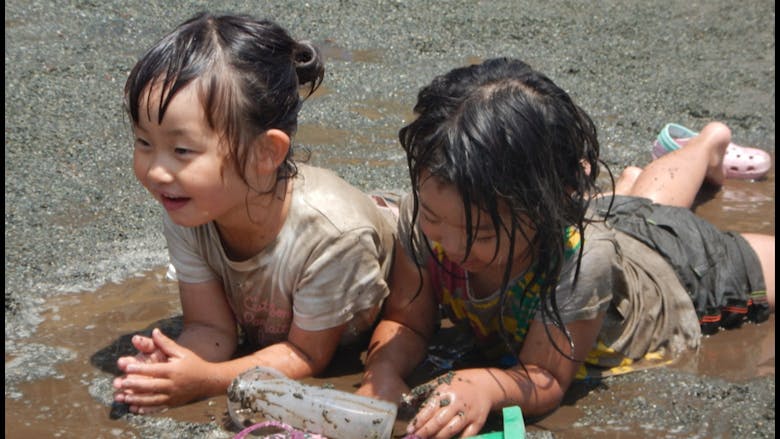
x=163, y=374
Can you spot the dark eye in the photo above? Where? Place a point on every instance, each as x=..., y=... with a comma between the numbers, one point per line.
x=428, y=219
x=141, y=142
x=182, y=151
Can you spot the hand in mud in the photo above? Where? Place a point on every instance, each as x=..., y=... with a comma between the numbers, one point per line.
x=456, y=402
x=147, y=352
x=173, y=375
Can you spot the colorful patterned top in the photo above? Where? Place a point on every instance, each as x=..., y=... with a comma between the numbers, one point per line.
x=521, y=302
x=647, y=313
x=450, y=283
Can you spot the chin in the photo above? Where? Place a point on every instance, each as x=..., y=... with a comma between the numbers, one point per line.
x=185, y=221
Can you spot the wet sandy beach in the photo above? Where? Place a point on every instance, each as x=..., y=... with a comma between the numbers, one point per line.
x=84, y=251
x=96, y=327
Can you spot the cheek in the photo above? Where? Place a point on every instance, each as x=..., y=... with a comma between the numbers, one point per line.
x=139, y=167
x=484, y=252
x=428, y=229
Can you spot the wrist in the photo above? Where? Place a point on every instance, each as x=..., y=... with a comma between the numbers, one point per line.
x=383, y=381
x=499, y=388
x=378, y=371
x=216, y=379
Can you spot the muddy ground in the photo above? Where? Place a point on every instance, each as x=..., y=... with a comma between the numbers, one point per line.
x=84, y=249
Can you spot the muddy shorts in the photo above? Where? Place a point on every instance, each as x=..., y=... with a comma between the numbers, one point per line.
x=720, y=270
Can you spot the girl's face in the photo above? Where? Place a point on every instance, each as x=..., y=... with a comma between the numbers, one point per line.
x=442, y=219
x=182, y=165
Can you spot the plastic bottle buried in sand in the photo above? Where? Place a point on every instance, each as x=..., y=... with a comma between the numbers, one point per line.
x=263, y=393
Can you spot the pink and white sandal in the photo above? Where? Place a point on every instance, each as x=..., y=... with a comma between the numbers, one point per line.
x=740, y=162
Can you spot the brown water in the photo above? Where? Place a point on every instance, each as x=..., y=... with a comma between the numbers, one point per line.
x=97, y=325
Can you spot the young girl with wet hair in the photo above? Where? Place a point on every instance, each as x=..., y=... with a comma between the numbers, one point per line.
x=507, y=233
x=290, y=257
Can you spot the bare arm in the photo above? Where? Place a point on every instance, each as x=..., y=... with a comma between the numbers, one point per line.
x=198, y=364
x=549, y=373
x=400, y=340
x=471, y=394
x=209, y=326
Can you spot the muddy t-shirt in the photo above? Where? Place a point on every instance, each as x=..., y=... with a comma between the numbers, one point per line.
x=329, y=264
x=646, y=308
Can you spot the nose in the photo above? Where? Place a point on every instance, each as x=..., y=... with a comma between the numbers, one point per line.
x=452, y=240
x=159, y=174
x=453, y=245
x=151, y=168
x=158, y=171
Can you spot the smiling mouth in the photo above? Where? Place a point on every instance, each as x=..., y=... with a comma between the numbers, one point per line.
x=173, y=197
x=173, y=202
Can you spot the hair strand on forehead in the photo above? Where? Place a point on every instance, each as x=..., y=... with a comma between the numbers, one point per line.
x=506, y=137
x=248, y=73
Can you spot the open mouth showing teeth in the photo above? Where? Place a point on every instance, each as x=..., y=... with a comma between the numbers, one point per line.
x=174, y=198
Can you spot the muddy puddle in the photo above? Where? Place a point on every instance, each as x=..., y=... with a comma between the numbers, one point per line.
x=94, y=327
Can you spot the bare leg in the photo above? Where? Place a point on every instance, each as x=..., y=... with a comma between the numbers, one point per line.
x=764, y=246
x=626, y=180
x=675, y=178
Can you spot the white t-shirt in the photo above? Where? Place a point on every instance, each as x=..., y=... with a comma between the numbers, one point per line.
x=329, y=264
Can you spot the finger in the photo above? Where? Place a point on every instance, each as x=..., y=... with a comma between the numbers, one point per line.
x=426, y=411
x=139, y=384
x=158, y=356
x=453, y=427
x=122, y=362
x=145, y=410
x=119, y=396
x=146, y=400
x=143, y=344
x=166, y=344
x=437, y=425
x=155, y=370
x=117, y=383
x=442, y=413
x=472, y=429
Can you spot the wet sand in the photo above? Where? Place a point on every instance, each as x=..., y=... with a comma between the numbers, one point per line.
x=96, y=328
x=84, y=251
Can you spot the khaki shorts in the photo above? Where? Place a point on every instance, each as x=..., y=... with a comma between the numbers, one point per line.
x=720, y=270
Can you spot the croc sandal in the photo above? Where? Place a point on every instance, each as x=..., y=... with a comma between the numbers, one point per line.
x=739, y=162
x=276, y=430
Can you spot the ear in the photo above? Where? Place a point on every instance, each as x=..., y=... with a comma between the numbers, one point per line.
x=270, y=150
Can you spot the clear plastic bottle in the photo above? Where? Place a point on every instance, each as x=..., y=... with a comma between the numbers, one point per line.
x=261, y=394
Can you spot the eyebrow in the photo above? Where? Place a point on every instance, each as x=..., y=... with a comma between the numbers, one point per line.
x=177, y=132
x=170, y=132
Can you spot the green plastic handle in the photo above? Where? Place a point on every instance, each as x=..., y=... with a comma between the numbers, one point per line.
x=514, y=425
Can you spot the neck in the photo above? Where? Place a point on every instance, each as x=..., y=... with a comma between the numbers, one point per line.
x=259, y=225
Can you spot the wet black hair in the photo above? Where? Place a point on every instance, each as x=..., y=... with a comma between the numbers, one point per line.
x=507, y=137
x=248, y=72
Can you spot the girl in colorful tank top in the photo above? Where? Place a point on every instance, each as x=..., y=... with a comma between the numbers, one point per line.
x=507, y=232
